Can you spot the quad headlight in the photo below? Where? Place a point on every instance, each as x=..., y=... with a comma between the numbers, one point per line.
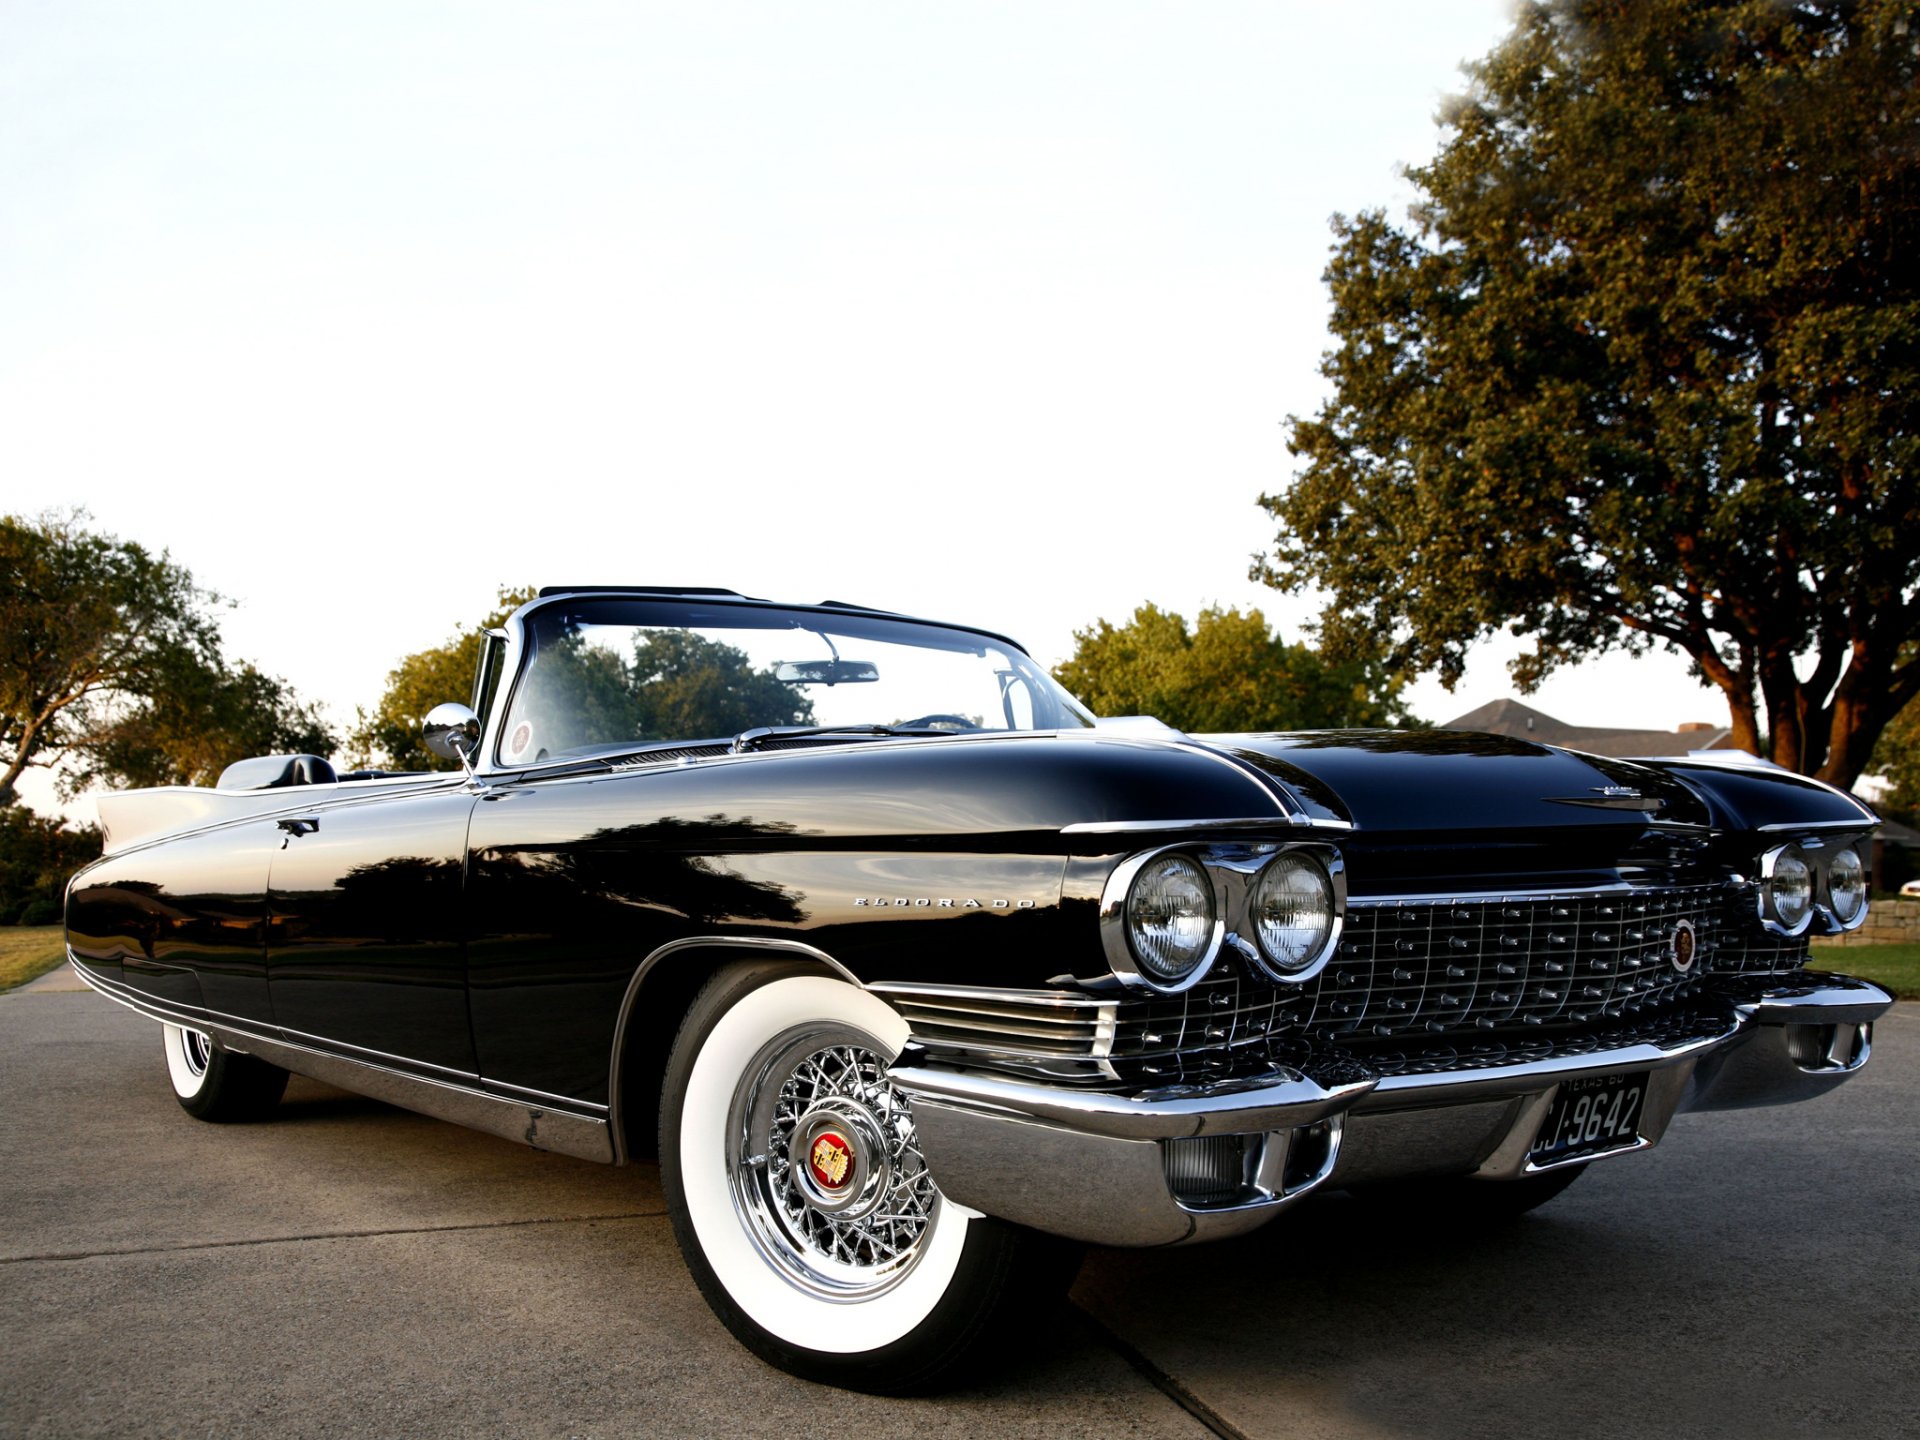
x=1805, y=881
x=1166, y=914
x=1786, y=889
x=1847, y=887
x=1292, y=911
x=1172, y=920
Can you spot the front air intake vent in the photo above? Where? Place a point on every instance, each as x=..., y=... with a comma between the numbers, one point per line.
x=1207, y=1170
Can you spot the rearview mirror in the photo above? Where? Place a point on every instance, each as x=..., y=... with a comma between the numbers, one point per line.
x=825, y=672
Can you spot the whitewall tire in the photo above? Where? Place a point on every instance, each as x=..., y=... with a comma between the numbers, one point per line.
x=799, y=1196
x=214, y=1083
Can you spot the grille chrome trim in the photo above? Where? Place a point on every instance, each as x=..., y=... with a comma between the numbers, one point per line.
x=1452, y=897
x=1048, y=1031
x=1493, y=962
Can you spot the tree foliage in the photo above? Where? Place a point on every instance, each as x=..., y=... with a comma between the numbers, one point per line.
x=111, y=667
x=583, y=695
x=1228, y=673
x=1644, y=369
x=1897, y=759
x=199, y=721
x=685, y=684
x=677, y=685
x=391, y=733
x=36, y=857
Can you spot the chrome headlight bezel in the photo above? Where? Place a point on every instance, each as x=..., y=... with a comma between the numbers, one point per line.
x=1820, y=854
x=1116, y=931
x=1233, y=870
x=1768, y=897
x=1823, y=889
x=1326, y=861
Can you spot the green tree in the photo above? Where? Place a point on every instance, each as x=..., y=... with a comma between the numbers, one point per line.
x=36, y=857
x=1644, y=370
x=199, y=721
x=578, y=693
x=111, y=667
x=1897, y=757
x=685, y=685
x=391, y=733
x=1229, y=673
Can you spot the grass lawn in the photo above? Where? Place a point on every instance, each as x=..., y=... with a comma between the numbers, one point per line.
x=1897, y=967
x=28, y=951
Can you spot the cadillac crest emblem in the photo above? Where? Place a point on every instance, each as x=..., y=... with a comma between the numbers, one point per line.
x=830, y=1160
x=1683, y=946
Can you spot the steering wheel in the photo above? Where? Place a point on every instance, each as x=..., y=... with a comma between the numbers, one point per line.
x=936, y=721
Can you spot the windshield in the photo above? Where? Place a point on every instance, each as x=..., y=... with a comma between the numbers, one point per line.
x=601, y=676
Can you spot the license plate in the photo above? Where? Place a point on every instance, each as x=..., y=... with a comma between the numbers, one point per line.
x=1588, y=1116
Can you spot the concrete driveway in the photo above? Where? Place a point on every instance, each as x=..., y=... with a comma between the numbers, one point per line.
x=352, y=1269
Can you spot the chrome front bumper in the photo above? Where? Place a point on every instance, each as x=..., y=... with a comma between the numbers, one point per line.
x=1096, y=1166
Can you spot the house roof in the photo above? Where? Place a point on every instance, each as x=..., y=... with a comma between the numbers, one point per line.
x=1510, y=717
x=1894, y=833
x=1523, y=722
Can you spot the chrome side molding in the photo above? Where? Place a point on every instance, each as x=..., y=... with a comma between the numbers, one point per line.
x=539, y=1126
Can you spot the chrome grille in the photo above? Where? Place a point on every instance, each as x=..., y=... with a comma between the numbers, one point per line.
x=1207, y=1027
x=1471, y=975
x=1436, y=966
x=1748, y=950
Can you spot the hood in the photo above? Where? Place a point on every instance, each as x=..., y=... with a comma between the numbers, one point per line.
x=1438, y=807
x=1453, y=780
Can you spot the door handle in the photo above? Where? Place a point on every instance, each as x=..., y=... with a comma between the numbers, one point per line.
x=299, y=827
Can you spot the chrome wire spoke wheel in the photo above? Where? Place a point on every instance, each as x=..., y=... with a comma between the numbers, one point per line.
x=826, y=1172
x=189, y=1057
x=197, y=1050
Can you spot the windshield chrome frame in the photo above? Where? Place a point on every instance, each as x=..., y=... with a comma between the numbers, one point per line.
x=515, y=628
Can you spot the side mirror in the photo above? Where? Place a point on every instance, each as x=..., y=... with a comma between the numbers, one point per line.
x=452, y=732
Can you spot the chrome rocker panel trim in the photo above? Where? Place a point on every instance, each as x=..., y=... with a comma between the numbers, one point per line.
x=1094, y=1166
x=543, y=1128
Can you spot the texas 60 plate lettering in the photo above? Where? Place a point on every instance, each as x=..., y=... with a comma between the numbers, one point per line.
x=1599, y=1113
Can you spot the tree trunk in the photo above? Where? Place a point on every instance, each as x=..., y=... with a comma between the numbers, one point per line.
x=1781, y=687
x=8, y=795
x=1850, y=739
x=1745, y=723
x=1737, y=685
x=1873, y=691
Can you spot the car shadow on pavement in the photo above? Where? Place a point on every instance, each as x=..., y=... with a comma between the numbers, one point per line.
x=1655, y=1298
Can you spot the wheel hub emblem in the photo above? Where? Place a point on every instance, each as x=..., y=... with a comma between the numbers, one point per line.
x=831, y=1160
x=1683, y=946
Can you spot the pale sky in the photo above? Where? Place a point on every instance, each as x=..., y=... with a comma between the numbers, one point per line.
x=992, y=313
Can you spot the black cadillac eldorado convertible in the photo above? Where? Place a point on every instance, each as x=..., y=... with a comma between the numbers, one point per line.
x=918, y=976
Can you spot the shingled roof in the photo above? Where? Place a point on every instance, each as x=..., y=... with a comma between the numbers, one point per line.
x=1510, y=717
